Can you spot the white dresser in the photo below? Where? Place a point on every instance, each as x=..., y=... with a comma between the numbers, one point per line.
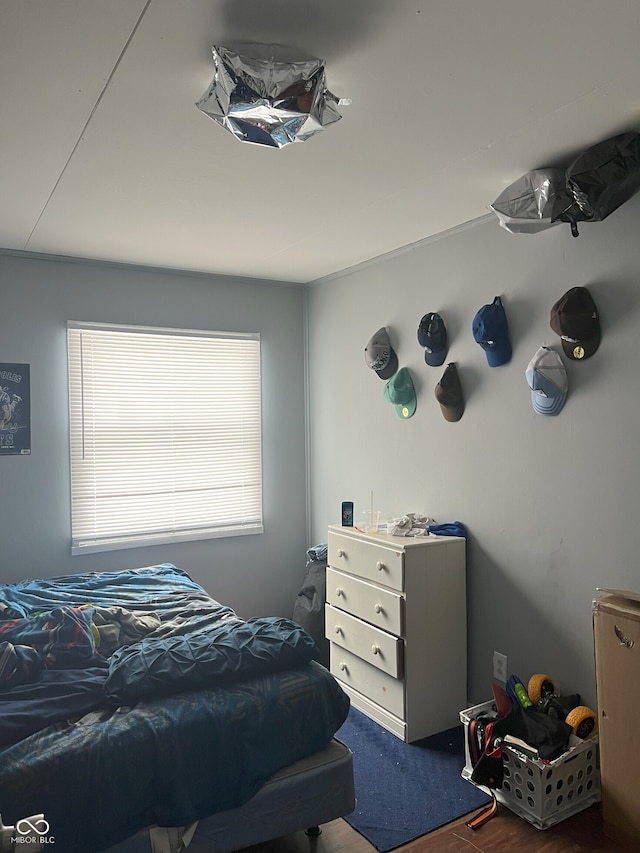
x=396, y=620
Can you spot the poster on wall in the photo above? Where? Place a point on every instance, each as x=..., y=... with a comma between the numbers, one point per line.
x=15, y=409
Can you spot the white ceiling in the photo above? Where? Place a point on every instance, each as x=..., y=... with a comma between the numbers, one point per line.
x=103, y=153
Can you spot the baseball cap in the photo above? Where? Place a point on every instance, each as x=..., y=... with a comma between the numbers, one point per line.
x=432, y=335
x=399, y=390
x=449, y=394
x=491, y=331
x=547, y=378
x=380, y=355
x=575, y=318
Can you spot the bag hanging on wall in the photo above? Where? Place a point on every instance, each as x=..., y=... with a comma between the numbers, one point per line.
x=598, y=181
x=526, y=206
x=595, y=184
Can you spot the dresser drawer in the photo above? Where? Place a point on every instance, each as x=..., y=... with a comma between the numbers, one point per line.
x=376, y=685
x=380, y=649
x=369, y=560
x=377, y=605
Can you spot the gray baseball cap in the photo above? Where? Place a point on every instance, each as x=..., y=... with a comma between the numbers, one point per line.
x=379, y=355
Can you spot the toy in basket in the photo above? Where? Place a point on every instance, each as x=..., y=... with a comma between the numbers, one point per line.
x=542, y=692
x=539, y=759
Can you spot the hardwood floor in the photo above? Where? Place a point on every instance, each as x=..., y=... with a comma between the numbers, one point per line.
x=504, y=833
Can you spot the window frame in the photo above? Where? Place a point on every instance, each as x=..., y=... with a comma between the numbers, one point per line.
x=91, y=478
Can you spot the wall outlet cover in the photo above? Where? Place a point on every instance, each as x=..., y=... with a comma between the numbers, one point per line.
x=500, y=667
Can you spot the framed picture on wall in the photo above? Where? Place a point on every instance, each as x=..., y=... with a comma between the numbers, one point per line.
x=15, y=409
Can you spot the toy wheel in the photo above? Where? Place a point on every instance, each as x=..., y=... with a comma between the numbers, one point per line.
x=539, y=685
x=583, y=721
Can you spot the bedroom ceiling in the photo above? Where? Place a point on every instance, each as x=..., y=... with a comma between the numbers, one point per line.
x=105, y=155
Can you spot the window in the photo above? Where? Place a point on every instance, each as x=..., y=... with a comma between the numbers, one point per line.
x=165, y=435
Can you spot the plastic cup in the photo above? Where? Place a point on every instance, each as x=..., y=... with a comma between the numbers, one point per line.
x=371, y=521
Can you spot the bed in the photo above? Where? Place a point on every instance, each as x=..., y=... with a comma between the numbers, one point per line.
x=139, y=714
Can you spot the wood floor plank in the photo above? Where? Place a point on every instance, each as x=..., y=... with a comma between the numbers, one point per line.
x=504, y=833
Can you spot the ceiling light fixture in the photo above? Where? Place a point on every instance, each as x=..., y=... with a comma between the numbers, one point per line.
x=267, y=99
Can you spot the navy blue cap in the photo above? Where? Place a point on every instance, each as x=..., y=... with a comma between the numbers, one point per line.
x=491, y=331
x=432, y=335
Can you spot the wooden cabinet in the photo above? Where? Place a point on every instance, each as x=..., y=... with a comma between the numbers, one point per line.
x=396, y=620
x=616, y=626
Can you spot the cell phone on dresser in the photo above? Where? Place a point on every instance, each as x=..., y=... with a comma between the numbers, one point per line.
x=347, y=513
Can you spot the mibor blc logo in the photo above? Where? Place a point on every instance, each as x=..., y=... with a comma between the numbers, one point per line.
x=33, y=832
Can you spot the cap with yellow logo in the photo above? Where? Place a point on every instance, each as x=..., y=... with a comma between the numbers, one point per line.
x=575, y=318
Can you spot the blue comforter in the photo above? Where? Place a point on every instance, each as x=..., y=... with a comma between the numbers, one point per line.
x=188, y=719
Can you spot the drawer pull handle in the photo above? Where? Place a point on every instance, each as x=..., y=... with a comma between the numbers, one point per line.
x=339, y=591
x=378, y=608
x=375, y=649
x=380, y=565
x=338, y=629
x=340, y=552
x=343, y=666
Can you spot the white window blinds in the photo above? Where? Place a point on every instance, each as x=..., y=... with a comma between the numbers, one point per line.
x=165, y=435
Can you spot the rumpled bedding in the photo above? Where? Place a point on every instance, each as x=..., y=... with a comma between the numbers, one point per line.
x=114, y=627
x=62, y=637
x=62, y=621
x=153, y=702
x=137, y=589
x=172, y=636
x=58, y=695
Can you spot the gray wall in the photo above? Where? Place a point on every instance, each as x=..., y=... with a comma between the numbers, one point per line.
x=550, y=503
x=257, y=575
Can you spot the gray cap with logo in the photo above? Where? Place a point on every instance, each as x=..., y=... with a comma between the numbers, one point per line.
x=379, y=355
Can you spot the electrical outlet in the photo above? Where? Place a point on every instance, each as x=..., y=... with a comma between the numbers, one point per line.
x=499, y=667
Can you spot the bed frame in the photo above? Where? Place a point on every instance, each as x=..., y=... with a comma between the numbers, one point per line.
x=304, y=795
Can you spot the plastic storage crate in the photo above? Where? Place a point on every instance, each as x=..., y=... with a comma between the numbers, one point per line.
x=543, y=793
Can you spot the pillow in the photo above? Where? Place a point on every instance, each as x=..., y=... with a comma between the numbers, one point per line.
x=158, y=666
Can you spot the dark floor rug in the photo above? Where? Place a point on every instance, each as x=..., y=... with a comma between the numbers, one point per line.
x=405, y=790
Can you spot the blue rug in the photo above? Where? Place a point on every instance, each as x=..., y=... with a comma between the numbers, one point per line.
x=405, y=790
